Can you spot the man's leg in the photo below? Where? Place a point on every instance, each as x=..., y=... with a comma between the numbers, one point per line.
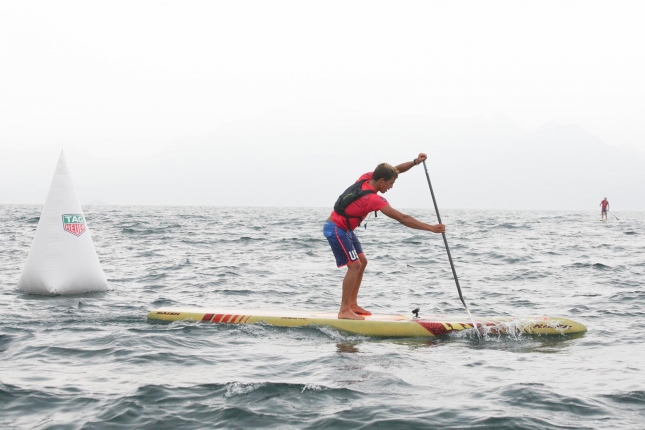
x=354, y=305
x=354, y=270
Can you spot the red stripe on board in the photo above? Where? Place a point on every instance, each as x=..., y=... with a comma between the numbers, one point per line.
x=433, y=327
x=207, y=317
x=226, y=318
x=217, y=318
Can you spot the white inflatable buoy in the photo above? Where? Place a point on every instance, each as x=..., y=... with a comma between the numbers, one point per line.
x=62, y=259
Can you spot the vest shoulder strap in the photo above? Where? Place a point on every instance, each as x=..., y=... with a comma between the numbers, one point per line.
x=349, y=196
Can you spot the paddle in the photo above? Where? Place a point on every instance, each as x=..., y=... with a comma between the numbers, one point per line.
x=445, y=242
x=614, y=216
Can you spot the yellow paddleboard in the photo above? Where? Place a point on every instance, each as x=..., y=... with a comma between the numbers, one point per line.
x=394, y=325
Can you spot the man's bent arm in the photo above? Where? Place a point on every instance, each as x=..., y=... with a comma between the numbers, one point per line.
x=404, y=167
x=411, y=222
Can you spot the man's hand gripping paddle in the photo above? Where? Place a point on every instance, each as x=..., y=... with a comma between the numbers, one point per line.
x=445, y=242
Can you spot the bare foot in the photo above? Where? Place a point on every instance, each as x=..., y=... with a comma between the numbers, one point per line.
x=360, y=311
x=349, y=315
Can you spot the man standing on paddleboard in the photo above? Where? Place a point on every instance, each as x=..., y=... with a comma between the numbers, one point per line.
x=352, y=207
x=604, y=207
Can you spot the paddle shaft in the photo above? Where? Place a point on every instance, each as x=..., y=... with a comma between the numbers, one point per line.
x=445, y=241
x=614, y=216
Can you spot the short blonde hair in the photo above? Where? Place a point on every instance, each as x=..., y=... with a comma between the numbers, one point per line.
x=385, y=171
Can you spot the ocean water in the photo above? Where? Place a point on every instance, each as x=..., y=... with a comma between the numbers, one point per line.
x=94, y=361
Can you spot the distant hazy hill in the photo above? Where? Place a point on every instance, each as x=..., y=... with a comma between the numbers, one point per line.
x=557, y=166
x=307, y=156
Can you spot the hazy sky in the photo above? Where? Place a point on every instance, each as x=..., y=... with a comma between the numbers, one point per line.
x=123, y=79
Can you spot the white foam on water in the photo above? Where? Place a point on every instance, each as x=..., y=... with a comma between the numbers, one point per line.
x=513, y=329
x=239, y=388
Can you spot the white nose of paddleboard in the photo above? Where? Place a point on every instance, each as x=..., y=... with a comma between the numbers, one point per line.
x=62, y=258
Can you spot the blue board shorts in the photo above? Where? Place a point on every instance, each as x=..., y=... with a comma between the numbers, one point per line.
x=345, y=244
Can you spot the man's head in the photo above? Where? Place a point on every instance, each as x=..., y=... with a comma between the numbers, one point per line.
x=385, y=171
x=384, y=176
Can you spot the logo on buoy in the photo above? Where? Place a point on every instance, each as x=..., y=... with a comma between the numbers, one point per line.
x=74, y=223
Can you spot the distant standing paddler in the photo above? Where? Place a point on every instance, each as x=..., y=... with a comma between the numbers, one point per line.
x=350, y=209
x=604, y=208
